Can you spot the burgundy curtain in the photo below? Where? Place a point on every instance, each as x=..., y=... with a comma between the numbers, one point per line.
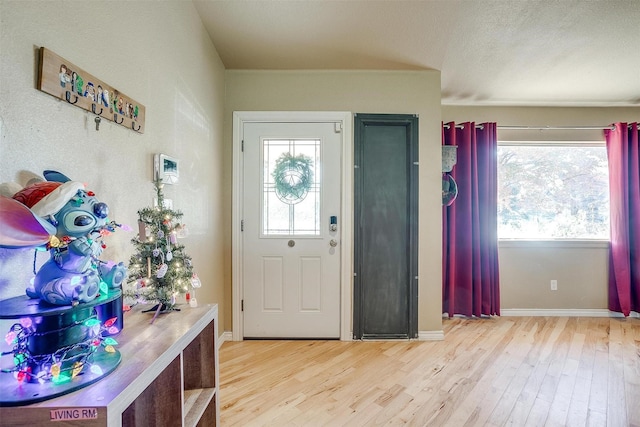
x=470, y=236
x=624, y=195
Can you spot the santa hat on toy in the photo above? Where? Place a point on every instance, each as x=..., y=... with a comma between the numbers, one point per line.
x=23, y=216
x=24, y=212
x=47, y=198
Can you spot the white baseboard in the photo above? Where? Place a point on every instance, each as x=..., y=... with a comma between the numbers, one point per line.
x=226, y=336
x=430, y=335
x=569, y=312
x=509, y=312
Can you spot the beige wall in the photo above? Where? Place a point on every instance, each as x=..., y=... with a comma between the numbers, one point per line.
x=159, y=54
x=527, y=268
x=360, y=92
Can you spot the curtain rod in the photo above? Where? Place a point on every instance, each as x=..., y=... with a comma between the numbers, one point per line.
x=611, y=127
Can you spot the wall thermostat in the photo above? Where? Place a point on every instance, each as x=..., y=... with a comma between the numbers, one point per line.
x=166, y=169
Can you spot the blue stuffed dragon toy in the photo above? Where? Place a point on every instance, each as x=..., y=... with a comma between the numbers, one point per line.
x=70, y=222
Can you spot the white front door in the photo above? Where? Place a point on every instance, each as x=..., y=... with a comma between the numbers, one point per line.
x=290, y=229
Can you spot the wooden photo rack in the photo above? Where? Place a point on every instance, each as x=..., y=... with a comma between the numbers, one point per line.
x=62, y=79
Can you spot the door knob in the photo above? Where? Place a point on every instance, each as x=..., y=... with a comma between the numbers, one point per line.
x=333, y=243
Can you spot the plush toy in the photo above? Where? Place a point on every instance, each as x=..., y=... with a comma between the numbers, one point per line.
x=70, y=222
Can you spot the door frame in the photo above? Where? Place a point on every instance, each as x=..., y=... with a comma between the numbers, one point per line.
x=345, y=120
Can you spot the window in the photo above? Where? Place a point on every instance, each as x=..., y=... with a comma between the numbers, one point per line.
x=291, y=187
x=553, y=191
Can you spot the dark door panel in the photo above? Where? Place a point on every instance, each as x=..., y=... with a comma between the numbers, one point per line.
x=385, y=226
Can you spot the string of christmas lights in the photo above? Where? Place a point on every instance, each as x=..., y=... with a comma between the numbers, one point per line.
x=66, y=362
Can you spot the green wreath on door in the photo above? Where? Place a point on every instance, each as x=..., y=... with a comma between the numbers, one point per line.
x=293, y=177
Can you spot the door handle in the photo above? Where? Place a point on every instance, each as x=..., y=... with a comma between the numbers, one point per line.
x=333, y=243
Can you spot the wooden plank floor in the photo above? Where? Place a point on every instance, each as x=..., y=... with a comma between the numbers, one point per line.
x=509, y=371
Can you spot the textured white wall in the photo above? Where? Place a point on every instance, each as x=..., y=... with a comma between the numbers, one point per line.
x=157, y=53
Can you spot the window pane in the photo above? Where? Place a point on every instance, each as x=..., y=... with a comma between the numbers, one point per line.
x=291, y=187
x=553, y=192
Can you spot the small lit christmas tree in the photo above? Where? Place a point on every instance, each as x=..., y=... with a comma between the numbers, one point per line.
x=160, y=268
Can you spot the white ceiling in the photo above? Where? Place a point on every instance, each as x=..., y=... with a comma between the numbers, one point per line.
x=489, y=52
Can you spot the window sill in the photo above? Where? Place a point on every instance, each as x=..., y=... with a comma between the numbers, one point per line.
x=558, y=243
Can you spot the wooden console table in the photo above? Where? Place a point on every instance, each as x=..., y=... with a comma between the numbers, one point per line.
x=168, y=377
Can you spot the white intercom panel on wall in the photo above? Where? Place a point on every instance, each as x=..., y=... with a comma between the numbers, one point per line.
x=166, y=169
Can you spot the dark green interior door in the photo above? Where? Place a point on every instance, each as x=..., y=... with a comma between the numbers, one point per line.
x=386, y=226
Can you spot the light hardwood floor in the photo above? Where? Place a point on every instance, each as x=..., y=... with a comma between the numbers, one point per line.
x=509, y=371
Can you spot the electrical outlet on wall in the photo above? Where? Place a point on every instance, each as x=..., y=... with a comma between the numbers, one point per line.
x=554, y=285
x=168, y=203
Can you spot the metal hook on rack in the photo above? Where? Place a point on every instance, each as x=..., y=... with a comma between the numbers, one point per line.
x=115, y=119
x=133, y=126
x=93, y=108
x=68, y=97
